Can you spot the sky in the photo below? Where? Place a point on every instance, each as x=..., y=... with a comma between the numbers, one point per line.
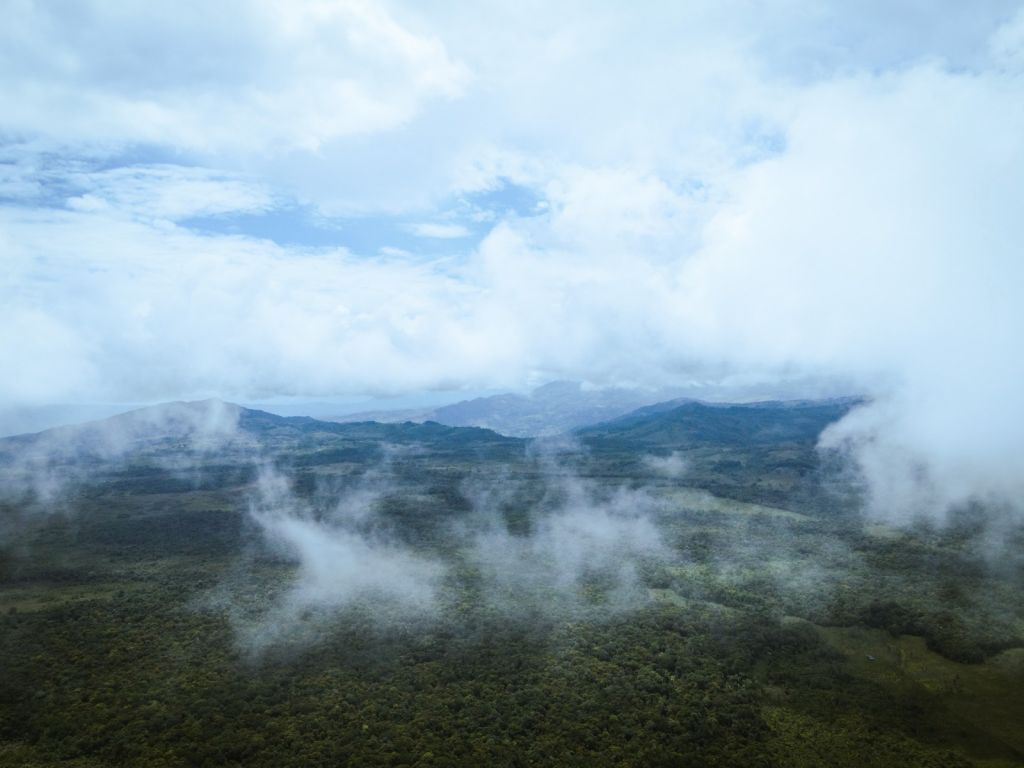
x=326, y=200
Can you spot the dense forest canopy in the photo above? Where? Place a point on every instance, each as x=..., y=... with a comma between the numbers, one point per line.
x=688, y=585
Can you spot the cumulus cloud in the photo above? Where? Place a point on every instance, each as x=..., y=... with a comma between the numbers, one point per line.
x=885, y=242
x=238, y=76
x=249, y=316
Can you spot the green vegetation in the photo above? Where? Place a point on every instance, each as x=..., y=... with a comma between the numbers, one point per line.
x=773, y=629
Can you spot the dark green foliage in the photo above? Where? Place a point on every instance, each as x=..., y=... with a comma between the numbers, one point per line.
x=128, y=614
x=694, y=424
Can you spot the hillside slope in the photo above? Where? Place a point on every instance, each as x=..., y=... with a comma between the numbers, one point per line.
x=689, y=423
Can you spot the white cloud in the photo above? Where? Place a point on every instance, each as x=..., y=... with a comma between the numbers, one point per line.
x=171, y=192
x=136, y=299
x=723, y=189
x=264, y=76
x=1007, y=44
x=887, y=242
x=438, y=230
x=338, y=564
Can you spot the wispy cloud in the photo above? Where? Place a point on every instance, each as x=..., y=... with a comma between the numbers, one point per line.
x=171, y=192
x=443, y=231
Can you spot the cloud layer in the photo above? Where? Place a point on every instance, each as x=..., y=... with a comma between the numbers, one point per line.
x=324, y=198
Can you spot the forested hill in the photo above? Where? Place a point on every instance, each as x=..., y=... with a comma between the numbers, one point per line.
x=675, y=424
x=766, y=452
x=211, y=444
x=212, y=424
x=691, y=424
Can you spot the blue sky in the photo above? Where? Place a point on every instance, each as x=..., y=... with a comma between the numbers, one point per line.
x=353, y=200
x=458, y=226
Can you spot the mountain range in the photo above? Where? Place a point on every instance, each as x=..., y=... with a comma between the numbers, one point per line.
x=215, y=424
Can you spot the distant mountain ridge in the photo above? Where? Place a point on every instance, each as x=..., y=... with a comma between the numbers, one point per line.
x=217, y=425
x=552, y=409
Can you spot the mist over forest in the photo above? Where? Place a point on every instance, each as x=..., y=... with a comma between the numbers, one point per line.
x=398, y=385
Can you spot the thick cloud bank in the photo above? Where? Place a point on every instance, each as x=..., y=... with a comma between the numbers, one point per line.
x=886, y=242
